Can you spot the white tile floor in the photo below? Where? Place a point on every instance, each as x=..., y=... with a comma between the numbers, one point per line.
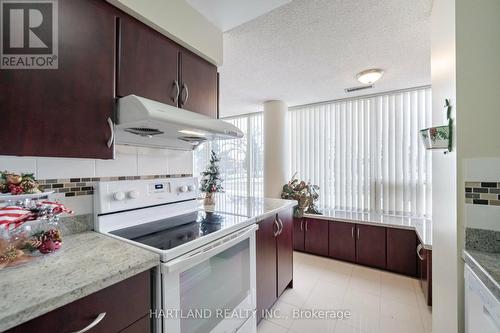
x=379, y=301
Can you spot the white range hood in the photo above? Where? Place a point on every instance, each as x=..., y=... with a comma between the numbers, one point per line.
x=147, y=123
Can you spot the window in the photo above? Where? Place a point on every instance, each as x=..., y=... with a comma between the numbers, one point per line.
x=241, y=166
x=366, y=153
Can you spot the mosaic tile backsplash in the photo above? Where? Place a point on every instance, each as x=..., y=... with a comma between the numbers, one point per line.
x=482, y=193
x=85, y=186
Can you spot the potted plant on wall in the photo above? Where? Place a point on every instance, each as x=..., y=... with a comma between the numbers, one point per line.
x=439, y=137
x=211, y=182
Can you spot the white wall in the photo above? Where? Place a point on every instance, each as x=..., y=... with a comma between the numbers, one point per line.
x=465, y=68
x=129, y=161
x=445, y=261
x=180, y=22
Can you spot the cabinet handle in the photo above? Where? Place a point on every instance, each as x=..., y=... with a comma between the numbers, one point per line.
x=184, y=100
x=281, y=224
x=352, y=232
x=358, y=232
x=112, y=132
x=276, y=233
x=307, y=224
x=419, y=248
x=96, y=321
x=301, y=225
x=178, y=91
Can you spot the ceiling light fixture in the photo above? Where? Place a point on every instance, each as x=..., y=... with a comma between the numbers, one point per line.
x=370, y=76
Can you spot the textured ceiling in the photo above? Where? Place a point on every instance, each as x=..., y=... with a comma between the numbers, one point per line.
x=310, y=50
x=227, y=14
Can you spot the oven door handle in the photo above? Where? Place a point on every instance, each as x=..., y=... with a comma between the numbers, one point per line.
x=207, y=252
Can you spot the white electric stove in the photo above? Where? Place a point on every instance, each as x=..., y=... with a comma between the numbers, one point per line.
x=206, y=279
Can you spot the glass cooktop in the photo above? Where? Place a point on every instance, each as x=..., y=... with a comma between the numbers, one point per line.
x=177, y=230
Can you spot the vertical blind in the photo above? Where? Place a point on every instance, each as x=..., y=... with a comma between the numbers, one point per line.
x=365, y=153
x=241, y=165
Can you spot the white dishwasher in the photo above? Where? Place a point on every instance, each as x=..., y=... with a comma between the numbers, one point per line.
x=482, y=309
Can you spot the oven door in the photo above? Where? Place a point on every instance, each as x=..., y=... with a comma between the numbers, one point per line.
x=211, y=289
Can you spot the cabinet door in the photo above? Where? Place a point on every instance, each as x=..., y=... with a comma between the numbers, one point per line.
x=64, y=112
x=401, y=254
x=370, y=246
x=342, y=241
x=284, y=245
x=147, y=63
x=316, y=241
x=425, y=273
x=141, y=326
x=298, y=234
x=266, y=265
x=199, y=85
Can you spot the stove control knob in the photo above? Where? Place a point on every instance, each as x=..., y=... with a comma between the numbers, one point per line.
x=119, y=196
x=133, y=194
x=183, y=189
x=191, y=188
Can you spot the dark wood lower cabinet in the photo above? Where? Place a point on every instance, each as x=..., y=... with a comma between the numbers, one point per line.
x=316, y=236
x=266, y=265
x=342, y=241
x=370, y=246
x=298, y=234
x=425, y=273
x=143, y=325
x=274, y=258
x=284, y=252
x=401, y=254
x=124, y=303
x=392, y=249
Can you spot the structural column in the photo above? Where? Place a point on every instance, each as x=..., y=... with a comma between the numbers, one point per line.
x=275, y=148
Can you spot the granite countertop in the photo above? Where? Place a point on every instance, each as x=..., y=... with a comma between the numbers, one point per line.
x=255, y=207
x=423, y=227
x=86, y=263
x=486, y=265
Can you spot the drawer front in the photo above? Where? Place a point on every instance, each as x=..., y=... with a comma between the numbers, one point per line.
x=124, y=303
x=143, y=325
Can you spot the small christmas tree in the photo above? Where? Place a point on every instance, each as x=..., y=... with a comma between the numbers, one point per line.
x=211, y=181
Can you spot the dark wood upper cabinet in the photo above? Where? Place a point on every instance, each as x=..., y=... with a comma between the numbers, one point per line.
x=342, y=238
x=370, y=246
x=64, y=112
x=198, y=85
x=147, y=63
x=266, y=265
x=401, y=251
x=298, y=234
x=316, y=240
x=284, y=254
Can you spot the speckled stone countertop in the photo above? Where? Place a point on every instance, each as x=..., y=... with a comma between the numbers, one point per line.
x=423, y=227
x=486, y=265
x=86, y=263
x=254, y=207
